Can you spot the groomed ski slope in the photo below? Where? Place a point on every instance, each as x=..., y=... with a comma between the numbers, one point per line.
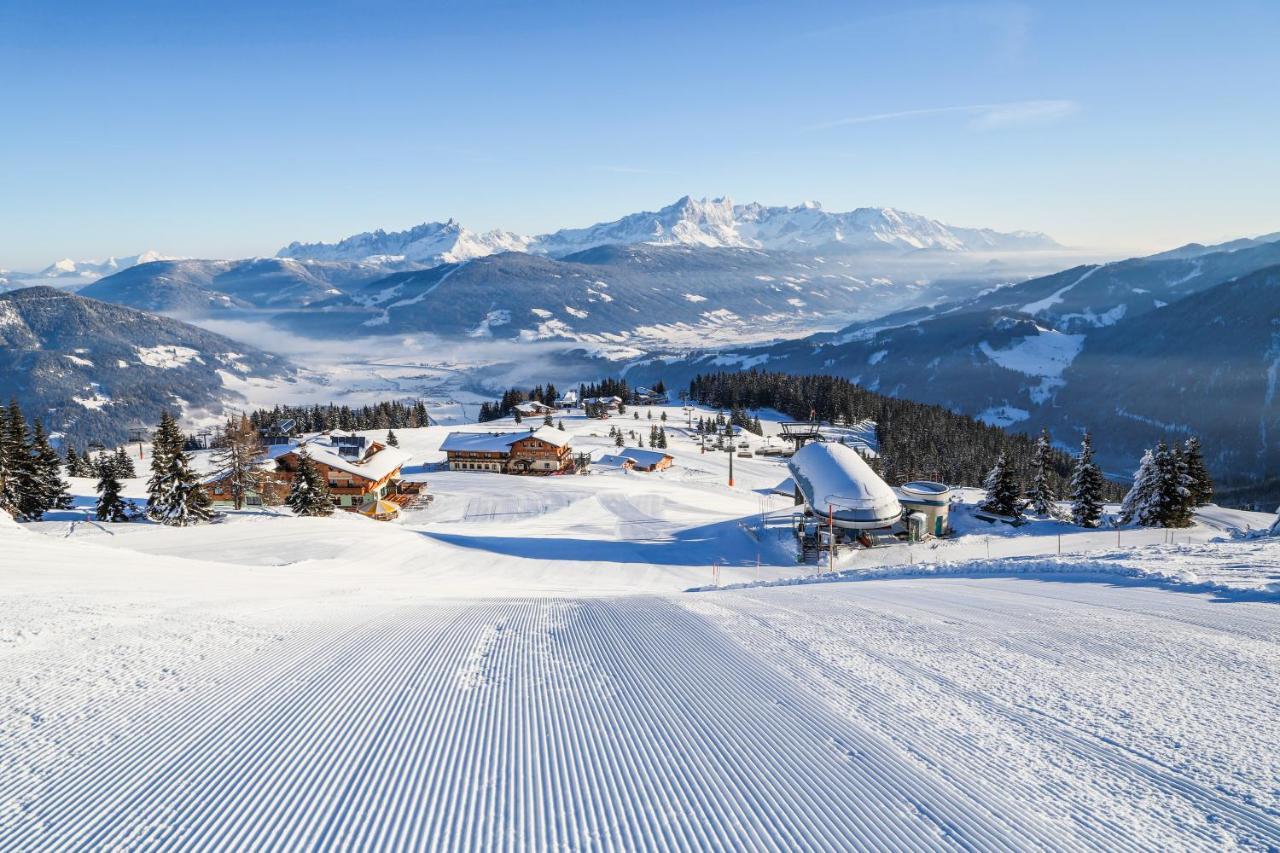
x=518, y=667
x=905, y=714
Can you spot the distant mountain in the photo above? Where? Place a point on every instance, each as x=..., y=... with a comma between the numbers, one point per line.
x=429, y=244
x=199, y=287
x=92, y=369
x=1052, y=351
x=1207, y=364
x=68, y=268
x=716, y=223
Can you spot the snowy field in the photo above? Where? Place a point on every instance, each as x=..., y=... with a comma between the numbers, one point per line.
x=520, y=665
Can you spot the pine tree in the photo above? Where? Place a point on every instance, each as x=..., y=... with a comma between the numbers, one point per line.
x=18, y=487
x=1201, y=483
x=1086, y=487
x=175, y=496
x=560, y=425
x=515, y=413
x=50, y=489
x=1002, y=490
x=663, y=416
x=111, y=507
x=1041, y=496
x=309, y=495
x=548, y=420
x=392, y=441
x=123, y=465
x=617, y=441
x=662, y=439
x=1175, y=489
x=1141, y=504
x=71, y=459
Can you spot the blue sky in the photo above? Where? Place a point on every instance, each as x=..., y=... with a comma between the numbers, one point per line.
x=228, y=129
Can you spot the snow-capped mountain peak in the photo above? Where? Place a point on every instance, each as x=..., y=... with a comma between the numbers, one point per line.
x=92, y=269
x=714, y=223
x=430, y=243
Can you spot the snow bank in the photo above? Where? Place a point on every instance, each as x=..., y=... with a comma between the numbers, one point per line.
x=1239, y=569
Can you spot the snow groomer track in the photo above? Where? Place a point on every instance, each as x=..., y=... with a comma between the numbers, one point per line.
x=623, y=723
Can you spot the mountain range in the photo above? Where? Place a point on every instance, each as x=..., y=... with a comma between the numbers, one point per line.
x=715, y=223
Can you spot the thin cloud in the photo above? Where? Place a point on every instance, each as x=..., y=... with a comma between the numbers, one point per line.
x=981, y=116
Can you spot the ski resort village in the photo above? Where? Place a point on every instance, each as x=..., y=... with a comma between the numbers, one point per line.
x=753, y=613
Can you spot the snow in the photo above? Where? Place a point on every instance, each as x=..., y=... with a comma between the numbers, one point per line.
x=1046, y=354
x=516, y=665
x=1042, y=305
x=1003, y=416
x=693, y=297
x=167, y=356
x=877, y=356
x=75, y=359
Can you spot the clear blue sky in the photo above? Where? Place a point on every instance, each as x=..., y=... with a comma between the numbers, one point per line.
x=229, y=129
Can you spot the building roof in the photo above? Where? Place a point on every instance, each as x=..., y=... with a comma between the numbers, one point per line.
x=373, y=466
x=641, y=456
x=500, y=442
x=533, y=406
x=613, y=460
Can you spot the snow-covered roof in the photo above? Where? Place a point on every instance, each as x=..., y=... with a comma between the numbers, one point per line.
x=373, y=467
x=612, y=460
x=644, y=457
x=499, y=442
x=833, y=475
x=552, y=435
x=533, y=406
x=569, y=397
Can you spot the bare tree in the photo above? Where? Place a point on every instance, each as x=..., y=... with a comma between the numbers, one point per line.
x=238, y=460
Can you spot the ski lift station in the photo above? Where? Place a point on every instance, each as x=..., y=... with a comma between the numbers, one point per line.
x=836, y=483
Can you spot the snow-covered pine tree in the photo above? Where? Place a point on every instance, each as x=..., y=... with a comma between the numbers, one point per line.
x=123, y=463
x=1142, y=504
x=18, y=487
x=560, y=425
x=515, y=413
x=392, y=441
x=175, y=496
x=1175, y=489
x=1086, y=487
x=50, y=488
x=617, y=440
x=111, y=507
x=1003, y=492
x=238, y=459
x=1040, y=496
x=662, y=438
x=1201, y=483
x=309, y=495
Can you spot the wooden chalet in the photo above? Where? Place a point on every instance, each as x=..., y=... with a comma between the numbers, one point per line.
x=361, y=473
x=643, y=459
x=542, y=451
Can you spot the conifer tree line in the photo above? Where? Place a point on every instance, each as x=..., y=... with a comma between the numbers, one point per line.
x=31, y=481
x=513, y=397
x=1171, y=481
x=394, y=414
x=916, y=440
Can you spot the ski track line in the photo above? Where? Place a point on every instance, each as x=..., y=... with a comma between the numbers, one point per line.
x=506, y=725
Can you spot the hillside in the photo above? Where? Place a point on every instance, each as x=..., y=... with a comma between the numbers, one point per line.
x=1024, y=355
x=91, y=369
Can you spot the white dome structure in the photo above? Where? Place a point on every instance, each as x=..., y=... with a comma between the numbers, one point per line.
x=833, y=478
